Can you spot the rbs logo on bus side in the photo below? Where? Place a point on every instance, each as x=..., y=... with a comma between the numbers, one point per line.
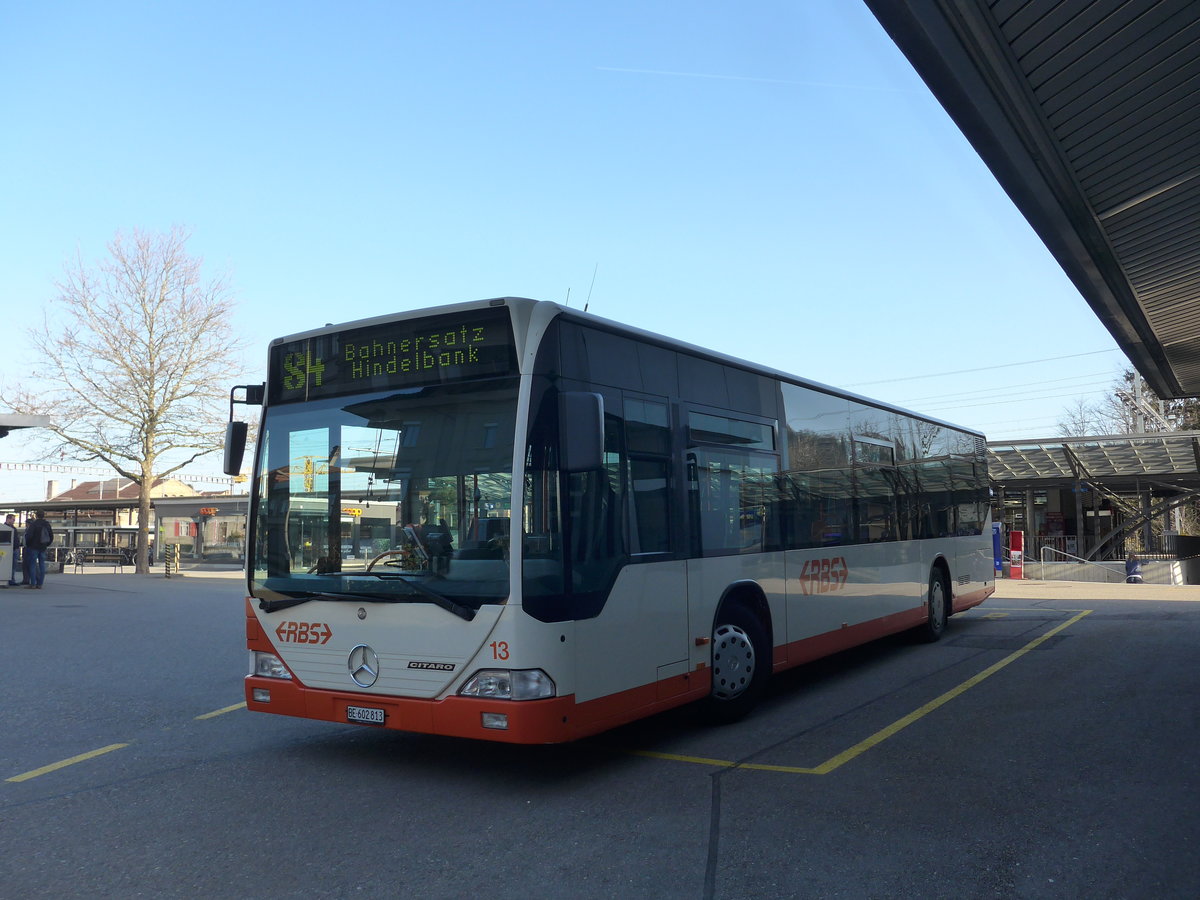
x=820, y=576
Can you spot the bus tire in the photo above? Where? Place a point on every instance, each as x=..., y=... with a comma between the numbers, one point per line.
x=741, y=663
x=937, y=608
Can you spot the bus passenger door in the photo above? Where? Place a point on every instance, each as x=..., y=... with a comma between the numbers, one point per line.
x=639, y=639
x=732, y=474
x=653, y=539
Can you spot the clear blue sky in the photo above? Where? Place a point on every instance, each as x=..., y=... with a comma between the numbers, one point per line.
x=768, y=179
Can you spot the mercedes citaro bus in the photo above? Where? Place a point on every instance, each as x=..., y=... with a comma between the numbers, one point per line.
x=514, y=521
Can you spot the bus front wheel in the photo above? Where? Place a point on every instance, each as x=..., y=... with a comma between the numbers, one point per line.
x=741, y=663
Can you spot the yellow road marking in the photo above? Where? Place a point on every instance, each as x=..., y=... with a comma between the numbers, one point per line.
x=1036, y=609
x=83, y=757
x=791, y=770
x=883, y=734
x=221, y=712
x=675, y=757
x=54, y=767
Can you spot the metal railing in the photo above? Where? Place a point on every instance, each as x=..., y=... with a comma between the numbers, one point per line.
x=1076, y=568
x=1163, y=570
x=1160, y=545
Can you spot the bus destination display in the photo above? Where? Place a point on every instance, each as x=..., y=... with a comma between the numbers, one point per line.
x=413, y=353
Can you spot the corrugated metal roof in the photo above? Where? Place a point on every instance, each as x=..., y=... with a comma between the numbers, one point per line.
x=1088, y=113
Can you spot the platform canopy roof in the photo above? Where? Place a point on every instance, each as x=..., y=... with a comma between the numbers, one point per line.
x=1088, y=114
x=1121, y=462
x=10, y=422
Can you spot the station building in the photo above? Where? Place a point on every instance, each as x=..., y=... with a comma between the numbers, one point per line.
x=1098, y=498
x=94, y=515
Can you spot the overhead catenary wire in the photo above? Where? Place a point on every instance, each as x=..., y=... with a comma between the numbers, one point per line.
x=1028, y=362
x=1017, y=398
x=1008, y=388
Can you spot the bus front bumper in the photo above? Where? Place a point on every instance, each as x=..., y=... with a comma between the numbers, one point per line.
x=517, y=722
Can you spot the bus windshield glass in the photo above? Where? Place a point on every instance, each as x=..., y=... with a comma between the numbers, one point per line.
x=404, y=495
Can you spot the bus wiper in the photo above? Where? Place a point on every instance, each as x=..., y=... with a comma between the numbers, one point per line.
x=463, y=612
x=288, y=602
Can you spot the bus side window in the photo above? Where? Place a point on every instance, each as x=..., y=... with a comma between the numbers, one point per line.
x=648, y=445
x=731, y=492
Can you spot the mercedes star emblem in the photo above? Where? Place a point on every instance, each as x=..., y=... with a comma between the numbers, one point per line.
x=364, y=666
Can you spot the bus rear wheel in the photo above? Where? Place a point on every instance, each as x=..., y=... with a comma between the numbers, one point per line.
x=938, y=608
x=741, y=663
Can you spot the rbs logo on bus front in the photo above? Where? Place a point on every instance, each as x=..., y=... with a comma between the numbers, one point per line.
x=820, y=576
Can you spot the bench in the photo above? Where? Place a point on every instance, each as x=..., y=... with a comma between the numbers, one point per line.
x=113, y=558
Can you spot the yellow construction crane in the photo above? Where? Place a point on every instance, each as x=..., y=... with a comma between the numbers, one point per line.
x=310, y=470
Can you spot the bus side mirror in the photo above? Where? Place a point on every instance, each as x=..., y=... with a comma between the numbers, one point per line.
x=235, y=447
x=235, y=432
x=580, y=431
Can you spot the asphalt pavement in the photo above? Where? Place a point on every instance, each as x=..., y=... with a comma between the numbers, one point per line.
x=1044, y=748
x=1006, y=589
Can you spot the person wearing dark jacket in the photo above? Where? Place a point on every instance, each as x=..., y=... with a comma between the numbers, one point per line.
x=11, y=521
x=1133, y=569
x=38, y=536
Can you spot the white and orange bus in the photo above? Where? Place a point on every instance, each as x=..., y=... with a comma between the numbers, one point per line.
x=514, y=521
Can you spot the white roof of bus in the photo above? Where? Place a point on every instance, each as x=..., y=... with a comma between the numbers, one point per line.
x=621, y=328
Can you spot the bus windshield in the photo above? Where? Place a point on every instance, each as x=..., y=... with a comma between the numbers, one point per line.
x=402, y=495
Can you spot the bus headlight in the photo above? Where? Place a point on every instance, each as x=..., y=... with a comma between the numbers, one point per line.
x=509, y=684
x=267, y=665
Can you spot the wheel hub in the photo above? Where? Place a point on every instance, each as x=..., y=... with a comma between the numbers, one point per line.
x=733, y=661
x=937, y=606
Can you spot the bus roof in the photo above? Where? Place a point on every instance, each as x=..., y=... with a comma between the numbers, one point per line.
x=527, y=305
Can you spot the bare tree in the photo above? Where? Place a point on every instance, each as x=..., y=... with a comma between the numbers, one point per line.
x=1133, y=408
x=1130, y=407
x=134, y=372
x=1080, y=419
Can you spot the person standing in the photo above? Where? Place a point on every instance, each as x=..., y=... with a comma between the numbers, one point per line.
x=11, y=521
x=38, y=536
x=1133, y=569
